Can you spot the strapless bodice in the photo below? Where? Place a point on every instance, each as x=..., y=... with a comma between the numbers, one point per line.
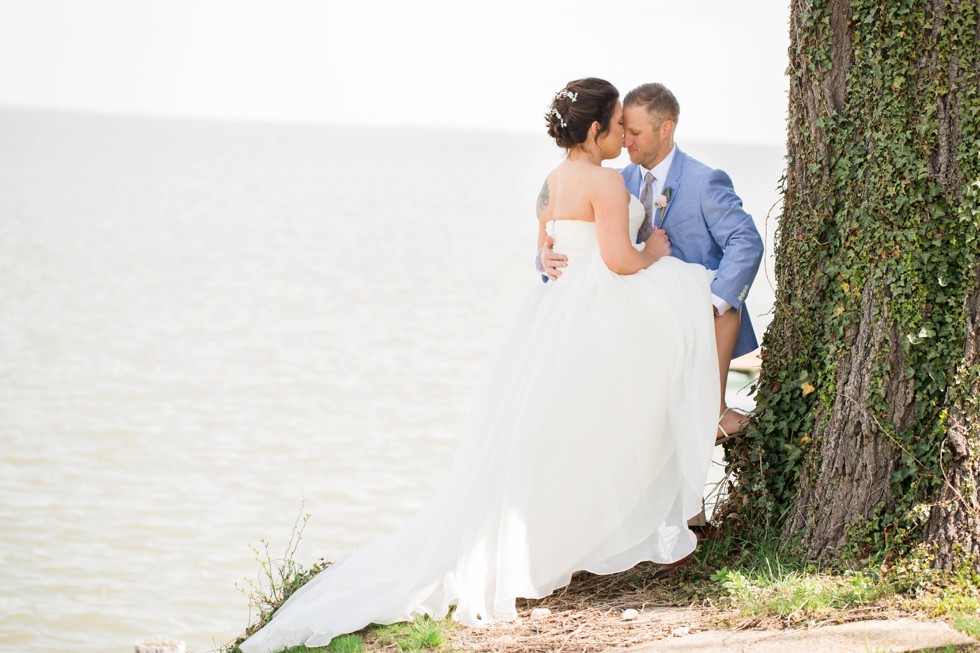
x=577, y=240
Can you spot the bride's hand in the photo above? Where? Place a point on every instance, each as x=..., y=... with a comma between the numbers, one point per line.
x=658, y=244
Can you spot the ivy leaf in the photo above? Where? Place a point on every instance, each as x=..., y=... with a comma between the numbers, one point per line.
x=807, y=389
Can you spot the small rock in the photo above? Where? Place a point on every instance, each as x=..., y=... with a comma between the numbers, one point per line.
x=680, y=632
x=160, y=645
x=629, y=615
x=540, y=613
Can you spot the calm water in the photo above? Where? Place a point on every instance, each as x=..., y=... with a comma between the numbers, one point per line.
x=204, y=324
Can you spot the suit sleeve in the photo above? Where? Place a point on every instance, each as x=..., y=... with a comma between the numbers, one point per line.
x=734, y=231
x=540, y=267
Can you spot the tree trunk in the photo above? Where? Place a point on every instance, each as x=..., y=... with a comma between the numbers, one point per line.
x=868, y=430
x=855, y=460
x=954, y=522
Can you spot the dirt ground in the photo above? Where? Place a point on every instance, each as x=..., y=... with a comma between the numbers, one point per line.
x=587, y=617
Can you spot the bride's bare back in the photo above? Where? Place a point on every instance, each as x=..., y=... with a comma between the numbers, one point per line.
x=581, y=190
x=571, y=190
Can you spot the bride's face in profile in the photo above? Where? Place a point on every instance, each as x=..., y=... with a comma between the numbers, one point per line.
x=611, y=143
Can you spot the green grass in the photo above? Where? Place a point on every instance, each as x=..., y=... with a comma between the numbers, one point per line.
x=347, y=644
x=768, y=579
x=968, y=624
x=796, y=595
x=341, y=644
x=422, y=634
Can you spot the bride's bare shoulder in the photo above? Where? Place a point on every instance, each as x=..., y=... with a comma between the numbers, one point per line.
x=610, y=176
x=591, y=175
x=608, y=182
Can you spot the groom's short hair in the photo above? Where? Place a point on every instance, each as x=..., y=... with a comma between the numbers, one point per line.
x=657, y=99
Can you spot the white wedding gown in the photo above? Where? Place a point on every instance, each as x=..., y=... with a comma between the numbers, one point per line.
x=587, y=449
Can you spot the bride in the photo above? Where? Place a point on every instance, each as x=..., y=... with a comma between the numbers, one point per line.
x=590, y=437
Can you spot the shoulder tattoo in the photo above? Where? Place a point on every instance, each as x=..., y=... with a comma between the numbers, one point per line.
x=543, y=198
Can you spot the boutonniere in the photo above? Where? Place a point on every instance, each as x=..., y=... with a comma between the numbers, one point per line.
x=662, y=202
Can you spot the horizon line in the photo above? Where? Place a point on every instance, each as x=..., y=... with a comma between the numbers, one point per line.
x=252, y=120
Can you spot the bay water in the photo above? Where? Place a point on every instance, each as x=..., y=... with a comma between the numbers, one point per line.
x=207, y=327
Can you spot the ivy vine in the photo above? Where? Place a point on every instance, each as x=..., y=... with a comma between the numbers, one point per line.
x=882, y=217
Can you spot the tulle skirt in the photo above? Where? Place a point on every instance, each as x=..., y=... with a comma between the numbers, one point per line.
x=587, y=448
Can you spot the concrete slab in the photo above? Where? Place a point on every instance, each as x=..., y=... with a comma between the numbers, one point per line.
x=892, y=636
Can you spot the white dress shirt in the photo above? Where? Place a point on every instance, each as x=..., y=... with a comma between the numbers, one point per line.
x=659, y=176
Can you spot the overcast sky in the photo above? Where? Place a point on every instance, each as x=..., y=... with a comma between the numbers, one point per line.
x=451, y=63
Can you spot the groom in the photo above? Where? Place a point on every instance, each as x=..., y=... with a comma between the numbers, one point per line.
x=703, y=218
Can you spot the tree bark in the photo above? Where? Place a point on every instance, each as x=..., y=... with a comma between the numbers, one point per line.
x=868, y=411
x=850, y=478
x=954, y=521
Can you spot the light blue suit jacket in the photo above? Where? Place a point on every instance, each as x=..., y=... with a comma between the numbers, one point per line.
x=706, y=224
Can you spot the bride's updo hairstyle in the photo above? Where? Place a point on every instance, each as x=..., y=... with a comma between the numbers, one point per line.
x=576, y=107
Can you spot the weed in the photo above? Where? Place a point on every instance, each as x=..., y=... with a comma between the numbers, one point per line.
x=347, y=644
x=968, y=624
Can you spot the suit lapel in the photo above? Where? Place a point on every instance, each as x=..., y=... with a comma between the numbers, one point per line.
x=673, y=181
x=632, y=179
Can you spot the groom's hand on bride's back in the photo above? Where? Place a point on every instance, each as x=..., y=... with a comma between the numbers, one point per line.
x=551, y=262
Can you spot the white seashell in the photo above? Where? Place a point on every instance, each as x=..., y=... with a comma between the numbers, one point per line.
x=629, y=615
x=540, y=613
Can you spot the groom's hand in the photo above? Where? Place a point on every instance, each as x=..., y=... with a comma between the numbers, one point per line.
x=551, y=262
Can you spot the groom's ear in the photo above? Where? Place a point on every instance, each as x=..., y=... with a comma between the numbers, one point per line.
x=667, y=128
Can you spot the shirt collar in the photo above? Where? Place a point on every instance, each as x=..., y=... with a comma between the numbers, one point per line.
x=661, y=169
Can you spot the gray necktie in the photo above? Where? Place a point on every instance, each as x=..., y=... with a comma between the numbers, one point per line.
x=646, y=199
